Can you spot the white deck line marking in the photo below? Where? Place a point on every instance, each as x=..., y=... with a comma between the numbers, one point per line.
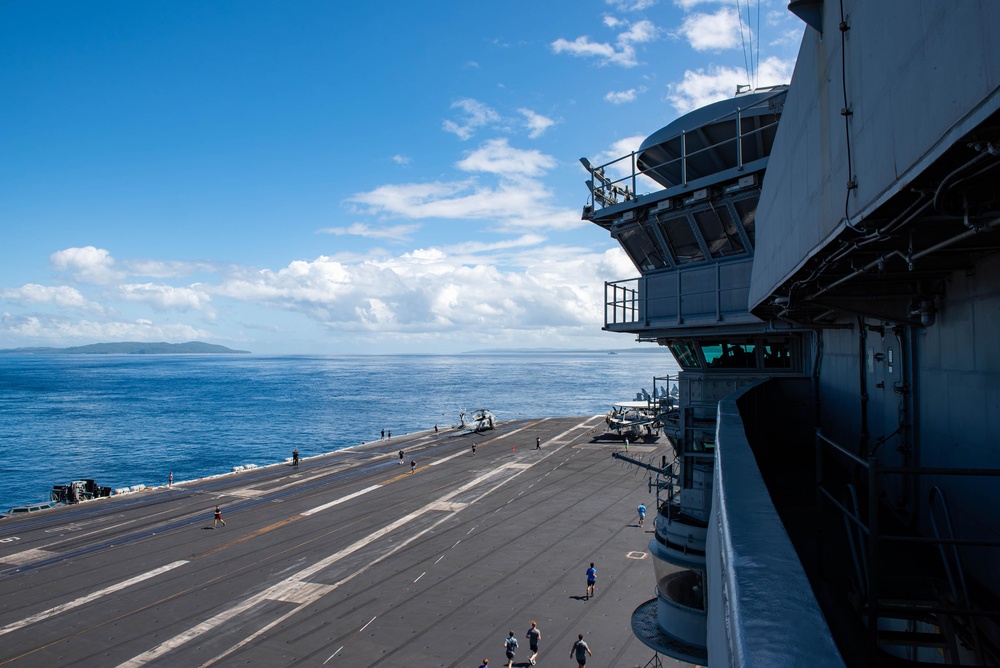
x=83, y=600
x=416, y=581
x=372, y=620
x=439, y=559
x=276, y=591
x=333, y=655
x=331, y=504
x=519, y=429
x=24, y=556
x=443, y=460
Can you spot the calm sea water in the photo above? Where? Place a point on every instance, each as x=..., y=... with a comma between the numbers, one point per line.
x=128, y=419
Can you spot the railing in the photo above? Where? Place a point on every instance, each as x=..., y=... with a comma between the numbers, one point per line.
x=761, y=607
x=696, y=295
x=607, y=191
x=870, y=538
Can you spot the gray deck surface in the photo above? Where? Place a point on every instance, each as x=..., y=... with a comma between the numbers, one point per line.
x=347, y=560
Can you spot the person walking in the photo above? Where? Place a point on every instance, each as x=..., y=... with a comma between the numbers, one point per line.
x=401, y=454
x=485, y=664
x=510, y=646
x=626, y=444
x=390, y=434
x=591, y=580
x=642, y=514
x=218, y=517
x=383, y=434
x=413, y=465
x=533, y=636
x=295, y=457
x=435, y=429
x=538, y=443
x=581, y=650
x=473, y=448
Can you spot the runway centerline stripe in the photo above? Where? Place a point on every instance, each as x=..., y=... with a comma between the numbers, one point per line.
x=342, y=499
x=83, y=600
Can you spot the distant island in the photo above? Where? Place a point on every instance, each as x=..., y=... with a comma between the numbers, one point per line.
x=134, y=348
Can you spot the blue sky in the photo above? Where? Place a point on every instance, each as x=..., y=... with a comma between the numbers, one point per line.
x=333, y=177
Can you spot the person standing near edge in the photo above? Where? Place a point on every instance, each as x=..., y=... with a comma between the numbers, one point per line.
x=533, y=636
x=591, y=580
x=581, y=650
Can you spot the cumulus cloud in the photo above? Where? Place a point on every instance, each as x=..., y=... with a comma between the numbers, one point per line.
x=55, y=330
x=713, y=32
x=87, y=264
x=60, y=295
x=621, y=96
x=401, y=159
x=631, y=5
x=621, y=53
x=536, y=123
x=162, y=297
x=497, y=156
x=392, y=232
x=701, y=87
x=475, y=115
x=429, y=289
x=517, y=202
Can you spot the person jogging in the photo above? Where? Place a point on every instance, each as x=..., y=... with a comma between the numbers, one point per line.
x=591, y=580
x=581, y=650
x=642, y=514
x=533, y=636
x=218, y=517
x=510, y=645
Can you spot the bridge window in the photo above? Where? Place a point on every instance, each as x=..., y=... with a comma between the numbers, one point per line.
x=640, y=246
x=685, y=354
x=681, y=239
x=777, y=355
x=719, y=230
x=730, y=355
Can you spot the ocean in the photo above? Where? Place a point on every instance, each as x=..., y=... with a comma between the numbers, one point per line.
x=124, y=420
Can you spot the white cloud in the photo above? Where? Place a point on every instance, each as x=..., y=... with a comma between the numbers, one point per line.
x=476, y=115
x=56, y=331
x=621, y=96
x=162, y=297
x=631, y=5
x=622, y=53
x=87, y=264
x=59, y=295
x=518, y=202
x=686, y=5
x=401, y=159
x=394, y=232
x=431, y=290
x=496, y=156
x=712, y=32
x=537, y=124
x=701, y=87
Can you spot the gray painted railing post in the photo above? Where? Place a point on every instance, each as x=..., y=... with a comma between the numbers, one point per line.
x=873, y=560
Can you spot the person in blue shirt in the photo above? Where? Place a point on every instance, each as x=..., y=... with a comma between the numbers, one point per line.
x=591, y=580
x=642, y=514
x=510, y=644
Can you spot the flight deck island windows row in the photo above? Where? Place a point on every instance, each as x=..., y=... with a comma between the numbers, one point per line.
x=769, y=355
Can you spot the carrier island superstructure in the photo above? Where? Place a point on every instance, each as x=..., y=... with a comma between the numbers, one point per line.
x=822, y=260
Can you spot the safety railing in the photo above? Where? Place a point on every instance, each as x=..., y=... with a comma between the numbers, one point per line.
x=867, y=539
x=606, y=190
